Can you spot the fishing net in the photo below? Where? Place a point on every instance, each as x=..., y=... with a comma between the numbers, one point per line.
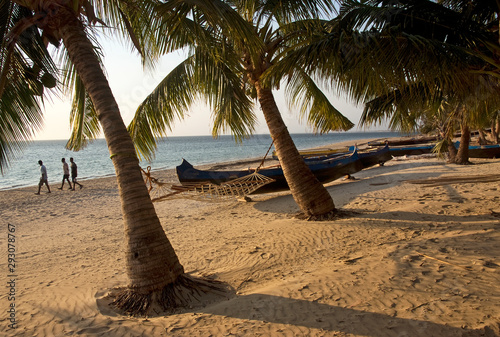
x=236, y=188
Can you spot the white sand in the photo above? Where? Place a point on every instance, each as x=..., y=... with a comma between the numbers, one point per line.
x=415, y=259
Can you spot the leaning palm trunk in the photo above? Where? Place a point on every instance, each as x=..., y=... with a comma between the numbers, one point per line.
x=495, y=130
x=309, y=194
x=452, y=151
x=462, y=156
x=482, y=137
x=152, y=263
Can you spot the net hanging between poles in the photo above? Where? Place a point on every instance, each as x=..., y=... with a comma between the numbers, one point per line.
x=236, y=188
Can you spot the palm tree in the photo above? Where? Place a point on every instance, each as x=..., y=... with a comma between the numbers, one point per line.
x=230, y=73
x=22, y=82
x=406, y=109
x=154, y=271
x=412, y=53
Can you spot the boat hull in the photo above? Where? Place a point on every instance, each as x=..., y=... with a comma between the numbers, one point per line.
x=368, y=158
x=375, y=157
x=475, y=151
x=484, y=151
x=325, y=171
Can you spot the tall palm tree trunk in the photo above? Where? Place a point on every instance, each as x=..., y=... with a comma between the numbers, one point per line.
x=462, y=156
x=311, y=196
x=495, y=130
x=482, y=137
x=151, y=261
x=452, y=151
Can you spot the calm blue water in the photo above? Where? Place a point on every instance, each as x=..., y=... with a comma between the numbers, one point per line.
x=94, y=162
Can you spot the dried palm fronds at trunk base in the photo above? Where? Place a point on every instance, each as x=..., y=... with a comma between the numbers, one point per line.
x=186, y=292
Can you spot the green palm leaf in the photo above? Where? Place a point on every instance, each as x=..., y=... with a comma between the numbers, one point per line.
x=156, y=114
x=25, y=70
x=320, y=113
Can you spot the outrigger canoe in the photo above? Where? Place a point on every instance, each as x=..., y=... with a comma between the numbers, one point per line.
x=475, y=151
x=369, y=157
x=323, y=152
x=325, y=170
x=484, y=151
x=404, y=141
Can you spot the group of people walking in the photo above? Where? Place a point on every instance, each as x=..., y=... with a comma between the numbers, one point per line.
x=66, y=172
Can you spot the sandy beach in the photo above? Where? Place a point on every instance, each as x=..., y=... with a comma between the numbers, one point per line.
x=418, y=256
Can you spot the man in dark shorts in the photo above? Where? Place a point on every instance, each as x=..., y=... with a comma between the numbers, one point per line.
x=74, y=174
x=65, y=174
x=43, y=177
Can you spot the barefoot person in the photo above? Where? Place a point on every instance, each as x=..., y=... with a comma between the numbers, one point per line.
x=43, y=177
x=74, y=174
x=65, y=174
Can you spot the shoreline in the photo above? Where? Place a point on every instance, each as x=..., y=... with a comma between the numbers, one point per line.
x=95, y=162
x=169, y=175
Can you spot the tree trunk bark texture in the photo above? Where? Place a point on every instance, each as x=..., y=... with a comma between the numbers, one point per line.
x=452, y=151
x=482, y=137
x=462, y=156
x=151, y=260
x=495, y=130
x=310, y=195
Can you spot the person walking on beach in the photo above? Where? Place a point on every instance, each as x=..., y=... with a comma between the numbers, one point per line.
x=65, y=174
x=74, y=174
x=43, y=177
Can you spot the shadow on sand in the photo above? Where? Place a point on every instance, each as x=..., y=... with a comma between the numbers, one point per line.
x=311, y=317
x=323, y=317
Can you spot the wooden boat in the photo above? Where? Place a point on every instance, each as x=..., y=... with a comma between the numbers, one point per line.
x=484, y=151
x=404, y=141
x=368, y=158
x=398, y=151
x=325, y=170
x=475, y=151
x=323, y=152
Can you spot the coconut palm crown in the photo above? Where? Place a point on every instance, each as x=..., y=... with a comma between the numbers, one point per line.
x=25, y=70
x=228, y=73
x=402, y=58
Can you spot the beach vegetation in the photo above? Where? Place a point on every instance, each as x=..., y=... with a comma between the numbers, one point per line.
x=157, y=281
x=403, y=59
x=226, y=67
x=26, y=70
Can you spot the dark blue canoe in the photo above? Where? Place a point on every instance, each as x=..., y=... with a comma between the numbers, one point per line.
x=368, y=158
x=484, y=151
x=398, y=151
x=475, y=151
x=325, y=171
x=373, y=157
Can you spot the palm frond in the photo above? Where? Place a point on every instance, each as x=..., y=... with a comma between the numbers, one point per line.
x=216, y=16
x=25, y=70
x=288, y=11
x=20, y=118
x=83, y=119
x=321, y=114
x=220, y=82
x=401, y=107
x=156, y=114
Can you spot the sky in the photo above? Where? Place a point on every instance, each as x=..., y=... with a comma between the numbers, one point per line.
x=131, y=83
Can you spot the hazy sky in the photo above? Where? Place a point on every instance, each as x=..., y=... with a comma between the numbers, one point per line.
x=130, y=84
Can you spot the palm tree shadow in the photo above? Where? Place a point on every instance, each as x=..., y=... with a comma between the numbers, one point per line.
x=302, y=314
x=324, y=317
x=343, y=190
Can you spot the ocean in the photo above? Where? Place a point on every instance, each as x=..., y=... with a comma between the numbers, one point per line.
x=94, y=161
